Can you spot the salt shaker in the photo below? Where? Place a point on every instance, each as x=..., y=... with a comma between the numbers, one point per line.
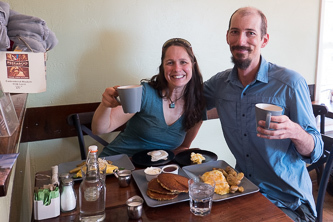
x=67, y=196
x=63, y=176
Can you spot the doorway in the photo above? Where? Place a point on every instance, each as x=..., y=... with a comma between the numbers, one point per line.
x=324, y=80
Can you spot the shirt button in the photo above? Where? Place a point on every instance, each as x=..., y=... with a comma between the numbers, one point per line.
x=244, y=94
x=243, y=115
x=250, y=175
x=247, y=155
x=245, y=134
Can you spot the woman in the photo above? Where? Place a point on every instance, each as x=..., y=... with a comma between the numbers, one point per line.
x=172, y=106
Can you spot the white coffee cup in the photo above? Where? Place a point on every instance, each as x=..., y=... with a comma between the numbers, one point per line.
x=264, y=111
x=130, y=98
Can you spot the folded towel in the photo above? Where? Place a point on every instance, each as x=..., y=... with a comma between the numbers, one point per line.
x=4, y=12
x=4, y=16
x=30, y=32
x=27, y=24
x=27, y=44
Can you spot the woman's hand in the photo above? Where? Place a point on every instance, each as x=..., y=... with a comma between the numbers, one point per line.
x=109, y=97
x=109, y=115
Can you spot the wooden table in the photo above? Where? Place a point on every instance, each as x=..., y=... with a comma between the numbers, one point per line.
x=253, y=207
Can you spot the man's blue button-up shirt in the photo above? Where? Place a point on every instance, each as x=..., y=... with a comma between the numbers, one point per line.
x=274, y=166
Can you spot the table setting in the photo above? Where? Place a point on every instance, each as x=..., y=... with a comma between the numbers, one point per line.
x=120, y=196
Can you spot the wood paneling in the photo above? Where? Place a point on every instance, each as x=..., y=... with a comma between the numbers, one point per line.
x=44, y=123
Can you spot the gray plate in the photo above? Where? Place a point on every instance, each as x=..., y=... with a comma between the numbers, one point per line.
x=140, y=179
x=199, y=169
x=121, y=161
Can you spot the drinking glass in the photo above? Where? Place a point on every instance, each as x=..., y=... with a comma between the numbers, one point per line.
x=201, y=196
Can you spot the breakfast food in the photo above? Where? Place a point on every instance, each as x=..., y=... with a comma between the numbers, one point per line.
x=160, y=196
x=221, y=184
x=173, y=182
x=197, y=158
x=167, y=186
x=156, y=187
x=233, y=178
x=157, y=155
x=152, y=172
x=108, y=163
x=226, y=180
x=172, y=168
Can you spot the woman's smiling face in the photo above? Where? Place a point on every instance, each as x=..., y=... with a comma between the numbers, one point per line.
x=177, y=67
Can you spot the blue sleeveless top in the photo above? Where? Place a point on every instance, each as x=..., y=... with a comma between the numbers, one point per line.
x=147, y=129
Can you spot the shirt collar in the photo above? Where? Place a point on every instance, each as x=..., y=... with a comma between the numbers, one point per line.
x=262, y=74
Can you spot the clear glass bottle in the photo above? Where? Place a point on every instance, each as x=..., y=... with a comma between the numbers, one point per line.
x=67, y=196
x=92, y=191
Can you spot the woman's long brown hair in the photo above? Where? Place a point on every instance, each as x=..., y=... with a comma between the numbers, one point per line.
x=193, y=94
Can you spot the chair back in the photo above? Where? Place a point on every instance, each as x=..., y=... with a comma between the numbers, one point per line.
x=320, y=110
x=82, y=124
x=328, y=151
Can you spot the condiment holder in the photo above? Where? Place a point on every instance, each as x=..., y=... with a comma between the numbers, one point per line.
x=124, y=177
x=172, y=168
x=134, y=207
x=152, y=172
x=67, y=196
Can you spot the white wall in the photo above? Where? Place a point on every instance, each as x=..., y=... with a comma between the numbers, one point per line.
x=110, y=42
x=103, y=43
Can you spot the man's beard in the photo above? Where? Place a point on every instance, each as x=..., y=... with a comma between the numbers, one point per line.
x=241, y=63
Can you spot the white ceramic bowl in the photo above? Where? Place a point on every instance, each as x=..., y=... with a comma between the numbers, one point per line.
x=172, y=168
x=152, y=172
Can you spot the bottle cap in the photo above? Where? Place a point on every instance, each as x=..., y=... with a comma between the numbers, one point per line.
x=68, y=181
x=93, y=148
x=63, y=176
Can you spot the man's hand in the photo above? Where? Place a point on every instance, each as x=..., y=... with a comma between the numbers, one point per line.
x=281, y=127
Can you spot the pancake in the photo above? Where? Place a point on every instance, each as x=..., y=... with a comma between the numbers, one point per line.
x=173, y=182
x=154, y=186
x=160, y=196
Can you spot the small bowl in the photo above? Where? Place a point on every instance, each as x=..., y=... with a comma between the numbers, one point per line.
x=172, y=168
x=152, y=172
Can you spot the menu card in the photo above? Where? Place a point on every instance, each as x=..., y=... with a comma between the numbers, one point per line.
x=22, y=72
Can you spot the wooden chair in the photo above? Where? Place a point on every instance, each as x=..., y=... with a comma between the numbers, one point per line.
x=319, y=110
x=82, y=124
x=328, y=153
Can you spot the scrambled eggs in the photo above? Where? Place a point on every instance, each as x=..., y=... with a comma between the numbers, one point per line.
x=221, y=184
x=197, y=158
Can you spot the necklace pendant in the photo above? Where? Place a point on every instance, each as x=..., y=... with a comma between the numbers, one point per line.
x=172, y=105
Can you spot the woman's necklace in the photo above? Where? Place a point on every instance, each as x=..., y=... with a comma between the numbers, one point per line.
x=172, y=103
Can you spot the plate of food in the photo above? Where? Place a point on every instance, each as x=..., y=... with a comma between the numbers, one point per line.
x=231, y=184
x=120, y=161
x=194, y=156
x=155, y=195
x=156, y=157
